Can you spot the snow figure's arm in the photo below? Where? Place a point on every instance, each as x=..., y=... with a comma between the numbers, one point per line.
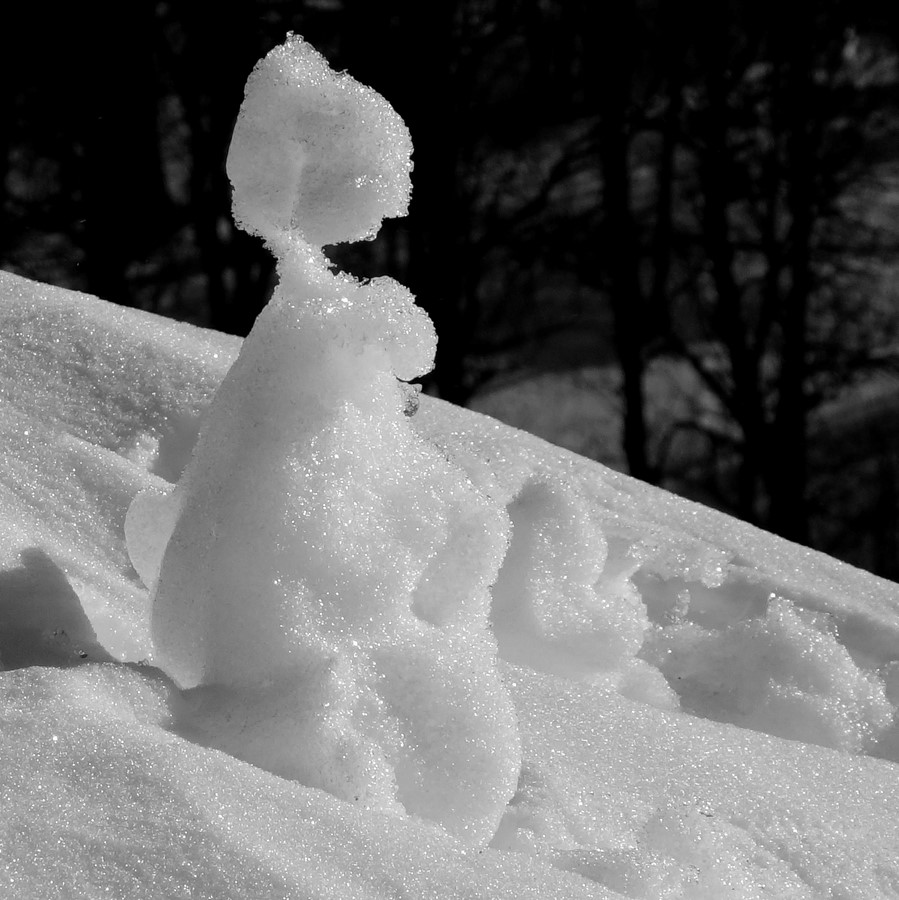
x=324, y=595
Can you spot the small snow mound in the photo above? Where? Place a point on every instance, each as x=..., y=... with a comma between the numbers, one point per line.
x=315, y=152
x=783, y=673
x=554, y=606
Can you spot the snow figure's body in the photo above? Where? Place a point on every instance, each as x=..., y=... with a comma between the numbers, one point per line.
x=324, y=595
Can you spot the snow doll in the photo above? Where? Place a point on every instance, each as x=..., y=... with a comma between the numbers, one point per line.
x=324, y=573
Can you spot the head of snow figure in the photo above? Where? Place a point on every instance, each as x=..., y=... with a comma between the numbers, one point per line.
x=322, y=573
x=314, y=153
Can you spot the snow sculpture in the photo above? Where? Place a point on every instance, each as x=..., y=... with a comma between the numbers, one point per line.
x=322, y=573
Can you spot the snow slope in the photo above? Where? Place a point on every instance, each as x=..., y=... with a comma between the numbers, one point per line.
x=756, y=770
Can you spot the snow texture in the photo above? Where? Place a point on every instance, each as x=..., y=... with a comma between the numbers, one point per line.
x=363, y=654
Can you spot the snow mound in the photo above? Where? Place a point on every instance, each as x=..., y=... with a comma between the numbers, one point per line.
x=631, y=783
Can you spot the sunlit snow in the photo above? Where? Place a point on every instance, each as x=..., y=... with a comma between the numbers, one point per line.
x=353, y=652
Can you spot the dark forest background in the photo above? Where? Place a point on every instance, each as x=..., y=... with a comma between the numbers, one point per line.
x=700, y=194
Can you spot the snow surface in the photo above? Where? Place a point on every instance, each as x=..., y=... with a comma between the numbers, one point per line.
x=357, y=653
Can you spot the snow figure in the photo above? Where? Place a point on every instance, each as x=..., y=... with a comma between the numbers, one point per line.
x=322, y=573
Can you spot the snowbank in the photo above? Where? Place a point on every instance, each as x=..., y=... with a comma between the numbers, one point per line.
x=650, y=788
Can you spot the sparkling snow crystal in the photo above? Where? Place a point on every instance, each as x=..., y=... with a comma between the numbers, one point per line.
x=324, y=592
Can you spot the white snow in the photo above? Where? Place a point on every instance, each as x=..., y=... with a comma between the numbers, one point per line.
x=363, y=654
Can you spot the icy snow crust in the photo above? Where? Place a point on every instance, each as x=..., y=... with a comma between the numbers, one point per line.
x=442, y=657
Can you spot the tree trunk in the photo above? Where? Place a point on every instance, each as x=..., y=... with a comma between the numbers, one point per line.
x=788, y=473
x=727, y=317
x=616, y=235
